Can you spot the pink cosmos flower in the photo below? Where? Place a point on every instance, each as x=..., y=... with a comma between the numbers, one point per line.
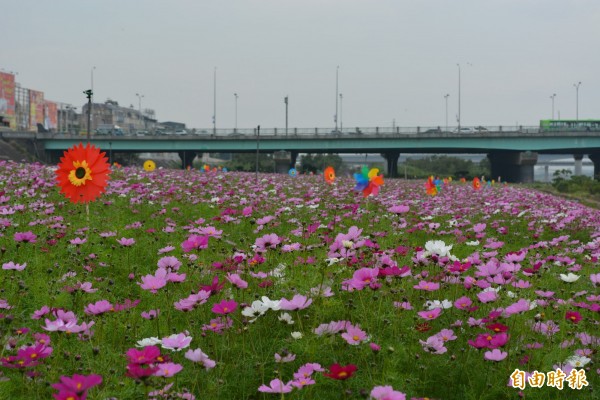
x=78, y=384
x=595, y=278
x=276, y=386
x=199, y=357
x=463, y=303
x=100, y=307
x=430, y=314
x=26, y=237
x=573, y=316
x=301, y=382
x=38, y=314
x=126, y=242
x=298, y=302
x=434, y=345
x=153, y=283
x=428, y=286
x=224, y=307
x=169, y=263
x=495, y=355
x=354, y=335
x=363, y=277
x=269, y=241
x=446, y=335
x=168, y=369
x=307, y=370
x=176, y=342
x=151, y=314
x=195, y=242
x=489, y=296
x=237, y=281
x=78, y=241
x=386, y=393
x=11, y=265
x=147, y=355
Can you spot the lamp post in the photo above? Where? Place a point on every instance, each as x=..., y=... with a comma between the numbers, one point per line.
x=458, y=117
x=236, y=97
x=286, y=101
x=552, y=98
x=576, y=85
x=214, y=118
x=139, y=96
x=88, y=93
x=335, y=117
x=446, y=97
x=92, y=89
x=341, y=109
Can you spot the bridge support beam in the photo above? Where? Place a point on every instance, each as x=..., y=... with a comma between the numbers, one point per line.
x=392, y=162
x=187, y=158
x=578, y=169
x=595, y=157
x=513, y=166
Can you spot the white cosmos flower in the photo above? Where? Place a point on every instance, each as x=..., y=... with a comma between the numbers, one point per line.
x=287, y=318
x=438, y=247
x=570, y=277
x=473, y=243
x=297, y=335
x=151, y=341
x=433, y=304
x=578, y=361
x=333, y=260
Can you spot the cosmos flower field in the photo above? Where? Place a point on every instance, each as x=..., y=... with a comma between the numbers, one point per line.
x=221, y=285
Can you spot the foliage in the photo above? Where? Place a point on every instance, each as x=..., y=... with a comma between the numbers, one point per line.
x=246, y=162
x=318, y=162
x=444, y=166
x=564, y=182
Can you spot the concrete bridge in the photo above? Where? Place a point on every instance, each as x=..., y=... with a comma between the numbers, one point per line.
x=512, y=153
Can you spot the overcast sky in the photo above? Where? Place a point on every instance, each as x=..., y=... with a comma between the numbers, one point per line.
x=397, y=58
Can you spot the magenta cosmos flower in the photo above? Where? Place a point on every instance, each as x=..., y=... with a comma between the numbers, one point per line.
x=224, y=307
x=27, y=237
x=430, y=314
x=78, y=384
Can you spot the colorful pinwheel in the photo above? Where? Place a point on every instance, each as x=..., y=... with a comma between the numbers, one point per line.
x=476, y=183
x=329, y=175
x=430, y=187
x=368, y=181
x=292, y=172
x=149, y=165
x=82, y=173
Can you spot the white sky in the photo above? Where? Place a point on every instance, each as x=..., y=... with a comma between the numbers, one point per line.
x=397, y=58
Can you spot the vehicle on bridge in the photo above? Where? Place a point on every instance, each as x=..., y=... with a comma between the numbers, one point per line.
x=108, y=129
x=464, y=130
x=585, y=125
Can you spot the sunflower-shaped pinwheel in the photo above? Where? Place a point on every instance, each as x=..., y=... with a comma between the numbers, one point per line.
x=329, y=174
x=82, y=173
x=368, y=181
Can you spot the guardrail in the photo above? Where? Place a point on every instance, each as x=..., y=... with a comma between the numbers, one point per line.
x=355, y=132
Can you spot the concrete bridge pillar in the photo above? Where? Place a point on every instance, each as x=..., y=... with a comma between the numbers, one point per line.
x=578, y=170
x=392, y=162
x=293, y=158
x=187, y=158
x=595, y=157
x=282, y=161
x=513, y=166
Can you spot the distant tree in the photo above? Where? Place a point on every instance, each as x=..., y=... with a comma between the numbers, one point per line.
x=247, y=162
x=318, y=162
x=443, y=165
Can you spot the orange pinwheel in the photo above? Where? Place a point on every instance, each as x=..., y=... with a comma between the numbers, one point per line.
x=329, y=175
x=430, y=187
x=82, y=173
x=476, y=183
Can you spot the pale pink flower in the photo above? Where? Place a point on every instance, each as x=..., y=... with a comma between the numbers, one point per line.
x=298, y=302
x=199, y=357
x=168, y=369
x=237, y=281
x=176, y=342
x=386, y=393
x=495, y=355
x=354, y=335
x=276, y=386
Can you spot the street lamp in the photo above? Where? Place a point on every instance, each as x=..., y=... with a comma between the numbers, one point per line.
x=214, y=118
x=552, y=97
x=92, y=88
x=458, y=117
x=341, y=109
x=285, y=100
x=236, y=97
x=446, y=97
x=335, y=117
x=139, y=96
x=576, y=85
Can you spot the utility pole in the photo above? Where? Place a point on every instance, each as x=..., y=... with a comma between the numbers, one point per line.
x=89, y=95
